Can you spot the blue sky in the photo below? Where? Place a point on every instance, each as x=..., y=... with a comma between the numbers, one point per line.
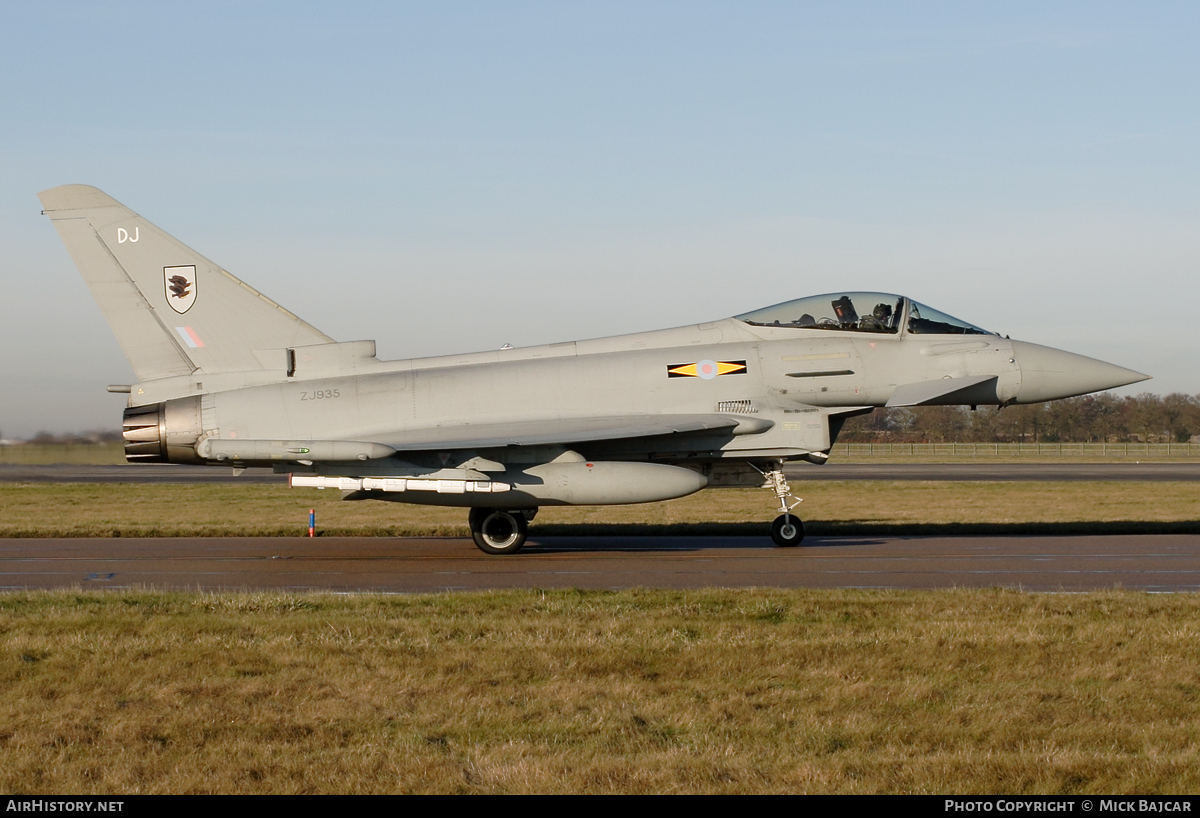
x=450, y=176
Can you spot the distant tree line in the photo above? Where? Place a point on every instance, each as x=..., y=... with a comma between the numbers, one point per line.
x=73, y=438
x=1100, y=418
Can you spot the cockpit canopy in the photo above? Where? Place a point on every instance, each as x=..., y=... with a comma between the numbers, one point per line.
x=860, y=312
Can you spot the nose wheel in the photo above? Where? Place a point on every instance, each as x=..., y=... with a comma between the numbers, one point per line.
x=788, y=529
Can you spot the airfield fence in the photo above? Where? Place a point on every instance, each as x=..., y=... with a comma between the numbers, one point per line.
x=1018, y=449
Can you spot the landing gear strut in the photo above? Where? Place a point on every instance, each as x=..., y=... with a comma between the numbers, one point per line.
x=497, y=531
x=788, y=529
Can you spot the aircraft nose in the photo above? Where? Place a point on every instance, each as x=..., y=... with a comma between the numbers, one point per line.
x=1049, y=374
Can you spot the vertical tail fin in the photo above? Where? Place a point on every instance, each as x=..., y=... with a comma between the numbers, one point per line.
x=173, y=311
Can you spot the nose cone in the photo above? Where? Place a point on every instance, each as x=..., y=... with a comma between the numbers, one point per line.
x=1049, y=374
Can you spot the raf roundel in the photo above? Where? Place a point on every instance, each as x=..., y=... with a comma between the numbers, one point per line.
x=706, y=370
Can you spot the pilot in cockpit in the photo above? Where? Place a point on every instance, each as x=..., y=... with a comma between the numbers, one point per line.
x=879, y=320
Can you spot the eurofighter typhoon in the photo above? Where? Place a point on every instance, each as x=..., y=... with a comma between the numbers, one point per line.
x=228, y=377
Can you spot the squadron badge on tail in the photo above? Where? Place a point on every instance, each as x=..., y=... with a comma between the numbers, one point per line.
x=181, y=287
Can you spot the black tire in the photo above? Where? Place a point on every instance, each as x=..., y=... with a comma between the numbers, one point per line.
x=498, y=532
x=787, y=531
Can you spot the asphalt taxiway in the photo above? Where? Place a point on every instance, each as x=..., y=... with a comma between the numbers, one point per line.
x=405, y=565
x=1158, y=563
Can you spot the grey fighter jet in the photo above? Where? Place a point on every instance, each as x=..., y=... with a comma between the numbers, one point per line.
x=227, y=376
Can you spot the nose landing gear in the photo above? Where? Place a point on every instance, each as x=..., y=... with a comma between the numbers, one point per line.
x=788, y=529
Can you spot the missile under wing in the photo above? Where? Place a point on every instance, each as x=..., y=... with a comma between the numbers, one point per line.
x=228, y=377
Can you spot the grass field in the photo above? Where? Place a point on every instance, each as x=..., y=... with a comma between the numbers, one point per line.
x=628, y=692
x=41, y=454
x=645, y=691
x=830, y=507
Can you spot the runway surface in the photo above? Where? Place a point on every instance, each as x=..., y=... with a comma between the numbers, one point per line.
x=1160, y=563
x=1114, y=470
x=405, y=565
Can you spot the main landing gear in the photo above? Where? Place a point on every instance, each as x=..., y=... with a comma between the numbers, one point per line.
x=497, y=531
x=788, y=529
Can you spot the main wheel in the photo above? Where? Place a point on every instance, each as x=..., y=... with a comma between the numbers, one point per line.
x=787, y=530
x=496, y=531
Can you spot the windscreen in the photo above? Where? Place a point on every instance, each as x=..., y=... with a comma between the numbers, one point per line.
x=924, y=320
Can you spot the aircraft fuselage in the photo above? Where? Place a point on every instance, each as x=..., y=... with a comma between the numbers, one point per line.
x=227, y=376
